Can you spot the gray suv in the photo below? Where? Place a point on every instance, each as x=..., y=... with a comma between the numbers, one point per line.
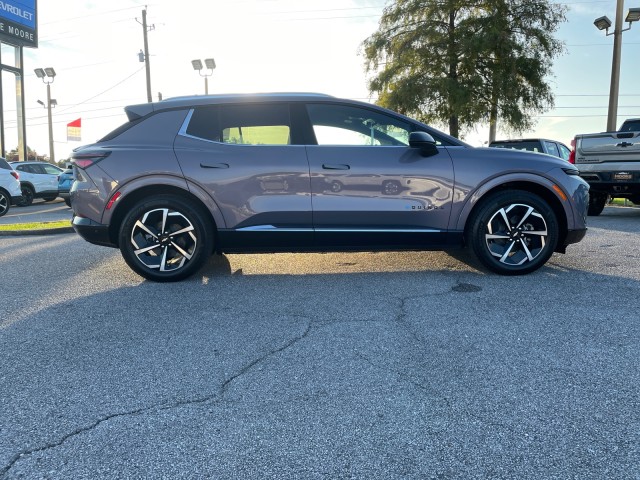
x=191, y=176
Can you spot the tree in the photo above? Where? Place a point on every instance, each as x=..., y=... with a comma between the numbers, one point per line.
x=465, y=62
x=13, y=155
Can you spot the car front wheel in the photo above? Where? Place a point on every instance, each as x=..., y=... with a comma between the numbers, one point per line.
x=166, y=238
x=513, y=233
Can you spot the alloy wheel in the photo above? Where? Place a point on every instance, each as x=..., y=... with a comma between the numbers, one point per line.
x=163, y=239
x=4, y=204
x=516, y=234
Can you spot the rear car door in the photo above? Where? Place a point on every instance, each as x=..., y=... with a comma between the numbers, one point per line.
x=243, y=156
x=368, y=186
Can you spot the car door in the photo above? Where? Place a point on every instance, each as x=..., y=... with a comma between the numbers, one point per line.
x=243, y=156
x=368, y=186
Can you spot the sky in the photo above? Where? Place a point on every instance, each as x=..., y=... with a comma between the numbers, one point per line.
x=268, y=46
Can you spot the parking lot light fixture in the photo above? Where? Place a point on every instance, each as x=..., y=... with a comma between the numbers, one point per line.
x=210, y=65
x=633, y=15
x=603, y=23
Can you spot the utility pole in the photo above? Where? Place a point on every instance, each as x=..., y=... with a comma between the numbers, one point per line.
x=145, y=30
x=612, y=115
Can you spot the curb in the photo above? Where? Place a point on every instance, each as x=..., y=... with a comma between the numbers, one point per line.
x=44, y=231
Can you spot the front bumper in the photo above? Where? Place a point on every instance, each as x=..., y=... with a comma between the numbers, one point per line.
x=92, y=232
x=574, y=236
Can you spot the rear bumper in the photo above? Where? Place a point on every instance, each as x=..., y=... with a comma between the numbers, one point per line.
x=92, y=232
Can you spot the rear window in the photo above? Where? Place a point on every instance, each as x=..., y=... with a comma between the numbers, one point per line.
x=631, y=126
x=4, y=164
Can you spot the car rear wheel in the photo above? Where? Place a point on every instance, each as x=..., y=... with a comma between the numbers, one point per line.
x=27, y=196
x=513, y=233
x=5, y=203
x=166, y=238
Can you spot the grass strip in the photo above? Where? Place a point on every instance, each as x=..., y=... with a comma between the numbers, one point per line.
x=36, y=225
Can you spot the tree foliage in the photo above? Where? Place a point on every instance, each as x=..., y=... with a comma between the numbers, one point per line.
x=465, y=62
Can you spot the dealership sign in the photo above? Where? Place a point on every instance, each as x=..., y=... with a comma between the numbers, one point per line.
x=18, y=22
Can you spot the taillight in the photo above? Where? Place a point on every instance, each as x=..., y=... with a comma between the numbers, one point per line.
x=572, y=155
x=15, y=174
x=85, y=160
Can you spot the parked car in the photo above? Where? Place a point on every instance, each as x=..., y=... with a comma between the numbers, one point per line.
x=10, y=193
x=190, y=176
x=540, y=145
x=610, y=163
x=37, y=180
x=65, y=179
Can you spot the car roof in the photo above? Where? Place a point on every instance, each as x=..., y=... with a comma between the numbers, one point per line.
x=143, y=109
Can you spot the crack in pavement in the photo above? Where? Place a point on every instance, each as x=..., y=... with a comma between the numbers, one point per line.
x=4, y=471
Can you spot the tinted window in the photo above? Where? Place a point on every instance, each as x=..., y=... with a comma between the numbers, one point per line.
x=204, y=124
x=348, y=125
x=267, y=124
x=564, y=152
x=631, y=126
x=4, y=164
x=552, y=148
x=532, y=146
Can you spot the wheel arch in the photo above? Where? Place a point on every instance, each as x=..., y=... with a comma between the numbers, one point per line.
x=126, y=202
x=544, y=191
x=28, y=185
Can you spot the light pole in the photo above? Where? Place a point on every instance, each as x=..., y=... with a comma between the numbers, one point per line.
x=210, y=65
x=48, y=75
x=603, y=23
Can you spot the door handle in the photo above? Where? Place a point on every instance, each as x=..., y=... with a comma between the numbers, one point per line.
x=214, y=165
x=339, y=166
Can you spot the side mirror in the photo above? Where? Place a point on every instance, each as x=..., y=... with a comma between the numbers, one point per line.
x=424, y=142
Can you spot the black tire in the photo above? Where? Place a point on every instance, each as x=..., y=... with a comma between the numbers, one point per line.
x=49, y=199
x=27, y=196
x=5, y=203
x=166, y=257
x=67, y=200
x=597, y=201
x=513, y=232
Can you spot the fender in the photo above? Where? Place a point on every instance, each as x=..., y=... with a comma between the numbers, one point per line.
x=472, y=198
x=158, y=182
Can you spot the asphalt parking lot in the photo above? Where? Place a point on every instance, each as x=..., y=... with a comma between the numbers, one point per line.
x=366, y=366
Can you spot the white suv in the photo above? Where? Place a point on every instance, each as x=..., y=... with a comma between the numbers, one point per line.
x=37, y=180
x=9, y=187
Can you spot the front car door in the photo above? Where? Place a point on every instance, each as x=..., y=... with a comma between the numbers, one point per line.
x=368, y=186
